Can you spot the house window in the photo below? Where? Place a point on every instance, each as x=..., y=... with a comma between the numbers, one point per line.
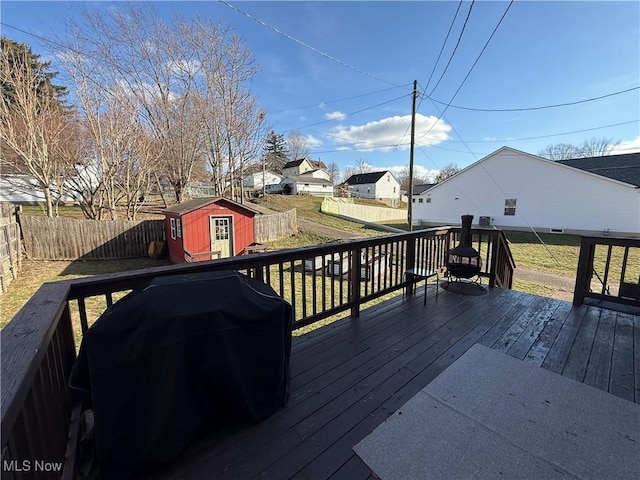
x=173, y=229
x=510, y=206
x=178, y=228
x=428, y=199
x=413, y=200
x=420, y=200
x=394, y=189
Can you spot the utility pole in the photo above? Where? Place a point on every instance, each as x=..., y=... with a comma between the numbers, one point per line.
x=413, y=137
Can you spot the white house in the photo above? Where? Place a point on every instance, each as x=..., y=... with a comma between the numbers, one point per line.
x=307, y=185
x=376, y=185
x=511, y=189
x=24, y=189
x=301, y=166
x=255, y=180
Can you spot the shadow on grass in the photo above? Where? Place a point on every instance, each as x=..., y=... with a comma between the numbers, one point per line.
x=83, y=268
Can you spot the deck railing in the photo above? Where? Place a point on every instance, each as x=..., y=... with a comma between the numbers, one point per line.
x=39, y=416
x=608, y=270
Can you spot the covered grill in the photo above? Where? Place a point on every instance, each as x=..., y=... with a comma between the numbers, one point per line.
x=188, y=353
x=464, y=261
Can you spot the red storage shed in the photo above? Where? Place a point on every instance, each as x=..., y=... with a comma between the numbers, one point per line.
x=198, y=229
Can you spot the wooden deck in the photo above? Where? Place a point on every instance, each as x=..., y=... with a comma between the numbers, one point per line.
x=349, y=377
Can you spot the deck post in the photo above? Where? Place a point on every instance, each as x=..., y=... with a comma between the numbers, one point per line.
x=583, y=274
x=354, y=280
x=410, y=260
x=495, y=251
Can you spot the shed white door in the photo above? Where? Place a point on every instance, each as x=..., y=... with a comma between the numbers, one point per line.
x=221, y=235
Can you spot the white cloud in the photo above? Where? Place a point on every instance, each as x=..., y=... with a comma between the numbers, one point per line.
x=334, y=115
x=385, y=134
x=312, y=142
x=489, y=139
x=628, y=146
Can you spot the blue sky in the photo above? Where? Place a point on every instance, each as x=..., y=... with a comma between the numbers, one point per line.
x=349, y=89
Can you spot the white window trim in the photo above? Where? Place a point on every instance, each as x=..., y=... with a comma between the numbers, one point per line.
x=173, y=228
x=178, y=228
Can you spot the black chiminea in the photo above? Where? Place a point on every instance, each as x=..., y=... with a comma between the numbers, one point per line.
x=464, y=261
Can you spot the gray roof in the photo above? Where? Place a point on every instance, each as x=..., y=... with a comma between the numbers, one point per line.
x=418, y=189
x=307, y=179
x=364, y=178
x=624, y=168
x=196, y=203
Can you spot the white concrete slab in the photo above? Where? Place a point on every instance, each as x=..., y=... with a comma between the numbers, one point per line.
x=492, y=416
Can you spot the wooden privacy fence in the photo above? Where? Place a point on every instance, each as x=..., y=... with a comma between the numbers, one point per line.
x=275, y=226
x=10, y=254
x=72, y=239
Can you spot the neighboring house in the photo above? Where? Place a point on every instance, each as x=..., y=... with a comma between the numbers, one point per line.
x=418, y=189
x=255, y=179
x=318, y=173
x=204, y=225
x=24, y=189
x=301, y=166
x=511, y=189
x=625, y=168
x=376, y=185
x=307, y=185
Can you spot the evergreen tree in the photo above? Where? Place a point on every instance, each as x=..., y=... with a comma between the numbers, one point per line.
x=20, y=55
x=275, y=151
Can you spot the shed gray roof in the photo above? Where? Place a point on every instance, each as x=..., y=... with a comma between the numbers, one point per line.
x=196, y=203
x=624, y=168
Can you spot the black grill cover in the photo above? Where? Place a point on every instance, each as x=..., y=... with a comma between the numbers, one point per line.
x=185, y=353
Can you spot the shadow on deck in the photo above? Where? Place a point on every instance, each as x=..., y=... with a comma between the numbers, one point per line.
x=348, y=377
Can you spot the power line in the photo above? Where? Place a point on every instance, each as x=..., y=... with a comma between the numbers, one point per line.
x=342, y=99
x=551, y=134
x=543, y=107
x=497, y=184
x=455, y=48
x=313, y=49
x=346, y=114
x=443, y=44
x=44, y=39
x=472, y=66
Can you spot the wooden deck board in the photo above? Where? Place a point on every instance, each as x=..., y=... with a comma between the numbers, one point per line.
x=622, y=368
x=350, y=376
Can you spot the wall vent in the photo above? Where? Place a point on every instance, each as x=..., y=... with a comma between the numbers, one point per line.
x=556, y=230
x=485, y=221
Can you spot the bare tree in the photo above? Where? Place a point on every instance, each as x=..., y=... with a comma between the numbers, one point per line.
x=403, y=178
x=34, y=128
x=120, y=152
x=334, y=172
x=362, y=166
x=446, y=172
x=594, y=147
x=298, y=146
x=189, y=80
